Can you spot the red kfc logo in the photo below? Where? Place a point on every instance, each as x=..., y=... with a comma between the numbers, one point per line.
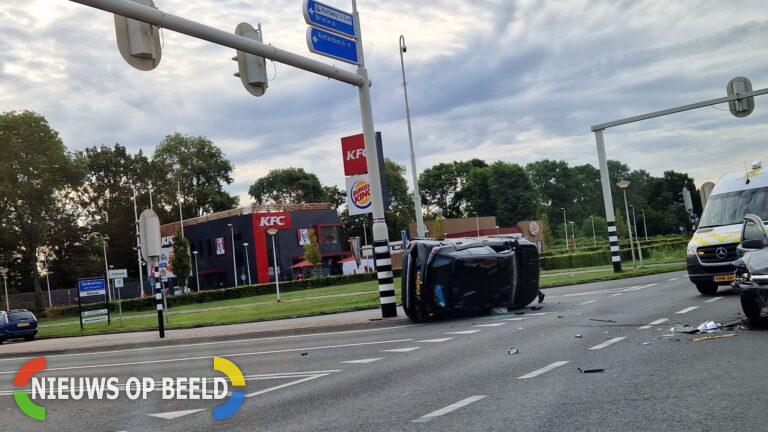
x=279, y=220
x=353, y=152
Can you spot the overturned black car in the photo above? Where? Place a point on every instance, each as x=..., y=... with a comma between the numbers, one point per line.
x=468, y=274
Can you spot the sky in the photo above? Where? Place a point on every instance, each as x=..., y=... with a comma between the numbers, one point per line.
x=516, y=81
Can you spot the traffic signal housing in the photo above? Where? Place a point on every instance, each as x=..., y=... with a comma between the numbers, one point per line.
x=252, y=69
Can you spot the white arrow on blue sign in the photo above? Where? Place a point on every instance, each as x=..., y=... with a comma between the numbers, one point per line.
x=321, y=15
x=332, y=45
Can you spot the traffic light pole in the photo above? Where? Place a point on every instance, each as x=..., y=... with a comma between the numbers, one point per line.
x=360, y=79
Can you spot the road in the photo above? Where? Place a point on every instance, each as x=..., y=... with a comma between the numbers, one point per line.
x=454, y=375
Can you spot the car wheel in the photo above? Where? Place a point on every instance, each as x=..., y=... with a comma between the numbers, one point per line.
x=29, y=338
x=707, y=288
x=1, y=341
x=751, y=306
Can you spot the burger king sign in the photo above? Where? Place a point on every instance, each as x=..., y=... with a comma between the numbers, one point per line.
x=359, y=195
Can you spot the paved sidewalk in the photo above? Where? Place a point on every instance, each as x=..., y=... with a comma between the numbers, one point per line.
x=370, y=318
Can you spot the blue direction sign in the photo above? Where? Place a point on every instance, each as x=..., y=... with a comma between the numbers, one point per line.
x=335, y=20
x=331, y=45
x=91, y=287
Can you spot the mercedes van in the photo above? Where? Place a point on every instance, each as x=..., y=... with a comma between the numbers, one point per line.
x=713, y=246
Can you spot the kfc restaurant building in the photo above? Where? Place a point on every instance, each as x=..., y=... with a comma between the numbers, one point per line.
x=220, y=265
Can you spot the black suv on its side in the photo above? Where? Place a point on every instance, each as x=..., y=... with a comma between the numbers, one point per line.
x=471, y=274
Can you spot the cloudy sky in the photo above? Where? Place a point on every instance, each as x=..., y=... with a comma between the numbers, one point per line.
x=505, y=80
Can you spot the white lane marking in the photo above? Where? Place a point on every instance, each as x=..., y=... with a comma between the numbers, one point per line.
x=449, y=408
x=587, y=302
x=641, y=287
x=434, y=340
x=673, y=279
x=536, y=314
x=401, y=350
x=106, y=365
x=686, y=310
x=653, y=323
x=363, y=361
x=512, y=319
x=608, y=343
x=267, y=390
x=463, y=332
x=617, y=294
x=213, y=343
x=712, y=300
x=490, y=325
x=545, y=369
x=174, y=414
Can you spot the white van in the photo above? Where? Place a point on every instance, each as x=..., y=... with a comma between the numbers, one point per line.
x=713, y=246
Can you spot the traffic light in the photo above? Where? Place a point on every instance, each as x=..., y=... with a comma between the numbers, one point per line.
x=138, y=41
x=252, y=69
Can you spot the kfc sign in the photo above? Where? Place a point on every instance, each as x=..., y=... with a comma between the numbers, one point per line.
x=353, y=151
x=278, y=220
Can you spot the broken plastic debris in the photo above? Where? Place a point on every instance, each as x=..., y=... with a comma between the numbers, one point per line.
x=578, y=336
x=709, y=327
x=684, y=329
x=513, y=351
x=591, y=370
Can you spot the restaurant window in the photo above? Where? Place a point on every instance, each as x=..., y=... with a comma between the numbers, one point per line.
x=329, y=235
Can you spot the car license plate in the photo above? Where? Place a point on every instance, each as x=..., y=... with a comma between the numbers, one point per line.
x=23, y=324
x=724, y=278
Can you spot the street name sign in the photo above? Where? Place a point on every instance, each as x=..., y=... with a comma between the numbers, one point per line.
x=117, y=273
x=321, y=15
x=332, y=45
x=91, y=287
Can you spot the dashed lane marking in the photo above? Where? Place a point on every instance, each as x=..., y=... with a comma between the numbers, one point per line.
x=712, y=300
x=490, y=325
x=174, y=414
x=609, y=342
x=672, y=280
x=587, y=302
x=543, y=370
x=401, y=350
x=362, y=361
x=686, y=310
x=651, y=324
x=449, y=408
x=615, y=295
x=512, y=319
x=434, y=340
x=463, y=332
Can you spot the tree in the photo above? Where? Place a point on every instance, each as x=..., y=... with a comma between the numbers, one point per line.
x=312, y=250
x=287, y=186
x=334, y=195
x=182, y=261
x=34, y=167
x=504, y=190
x=196, y=167
x=441, y=186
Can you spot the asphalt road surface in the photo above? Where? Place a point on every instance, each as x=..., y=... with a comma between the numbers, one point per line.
x=453, y=375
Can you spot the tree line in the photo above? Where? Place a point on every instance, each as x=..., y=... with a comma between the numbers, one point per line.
x=65, y=205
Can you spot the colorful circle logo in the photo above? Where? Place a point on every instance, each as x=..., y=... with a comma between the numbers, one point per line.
x=361, y=194
x=533, y=228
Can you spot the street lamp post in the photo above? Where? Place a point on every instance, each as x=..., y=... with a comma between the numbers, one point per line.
x=637, y=239
x=4, y=272
x=234, y=258
x=497, y=230
x=197, y=271
x=247, y=263
x=416, y=194
x=573, y=234
x=565, y=225
x=104, y=241
x=594, y=237
x=273, y=232
x=365, y=229
x=477, y=224
x=138, y=242
x=47, y=280
x=645, y=227
x=624, y=184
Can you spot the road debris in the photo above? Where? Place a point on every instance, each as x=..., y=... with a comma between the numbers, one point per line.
x=709, y=327
x=499, y=310
x=512, y=351
x=722, y=336
x=591, y=370
x=602, y=320
x=536, y=307
x=303, y=354
x=684, y=329
x=578, y=336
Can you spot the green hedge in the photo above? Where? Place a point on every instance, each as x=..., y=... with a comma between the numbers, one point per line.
x=148, y=303
x=603, y=257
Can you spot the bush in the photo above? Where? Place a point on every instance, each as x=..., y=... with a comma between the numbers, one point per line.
x=148, y=303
